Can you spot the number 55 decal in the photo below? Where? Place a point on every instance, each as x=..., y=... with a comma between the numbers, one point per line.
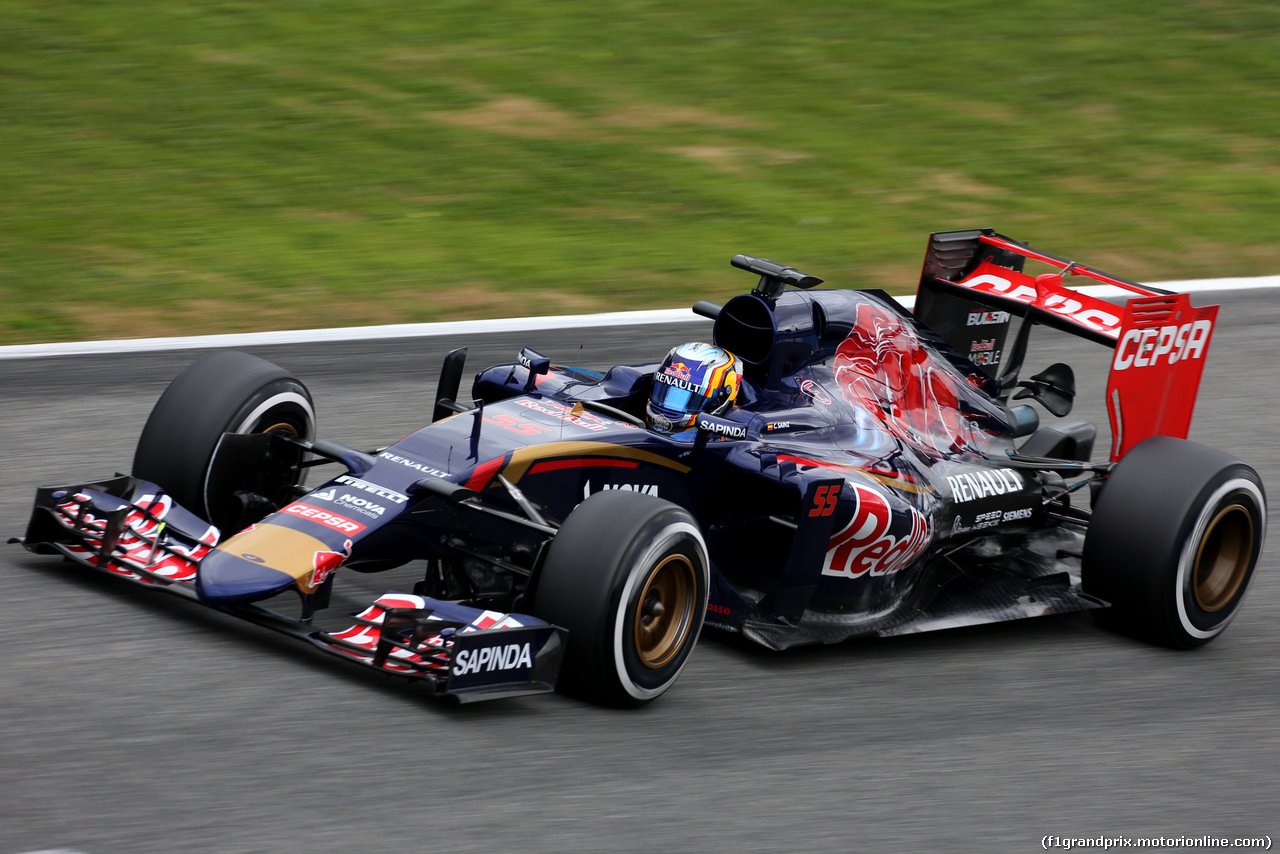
x=515, y=425
x=824, y=500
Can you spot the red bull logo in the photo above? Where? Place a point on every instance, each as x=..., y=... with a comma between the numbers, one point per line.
x=865, y=546
x=679, y=370
x=325, y=563
x=884, y=369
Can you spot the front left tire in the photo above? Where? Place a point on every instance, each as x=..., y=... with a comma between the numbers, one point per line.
x=628, y=576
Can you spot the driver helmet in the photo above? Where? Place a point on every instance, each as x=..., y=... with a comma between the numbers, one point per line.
x=694, y=378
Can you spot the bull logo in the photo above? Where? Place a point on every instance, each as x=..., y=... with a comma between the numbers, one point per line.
x=679, y=370
x=325, y=563
x=883, y=368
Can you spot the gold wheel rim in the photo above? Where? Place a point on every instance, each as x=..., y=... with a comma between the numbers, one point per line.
x=282, y=427
x=1223, y=558
x=664, y=611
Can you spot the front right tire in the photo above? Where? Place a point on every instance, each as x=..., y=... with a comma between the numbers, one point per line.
x=224, y=392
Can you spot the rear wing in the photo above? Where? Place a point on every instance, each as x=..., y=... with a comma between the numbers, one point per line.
x=972, y=284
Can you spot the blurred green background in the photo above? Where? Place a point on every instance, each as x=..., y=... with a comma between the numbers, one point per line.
x=173, y=168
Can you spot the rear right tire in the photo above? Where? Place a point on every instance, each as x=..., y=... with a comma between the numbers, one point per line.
x=1174, y=541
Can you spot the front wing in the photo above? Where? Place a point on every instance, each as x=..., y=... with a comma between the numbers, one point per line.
x=129, y=529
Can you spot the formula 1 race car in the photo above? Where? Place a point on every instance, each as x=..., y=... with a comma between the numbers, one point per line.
x=866, y=471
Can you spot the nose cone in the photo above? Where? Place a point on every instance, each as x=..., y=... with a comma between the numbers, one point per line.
x=226, y=578
x=261, y=561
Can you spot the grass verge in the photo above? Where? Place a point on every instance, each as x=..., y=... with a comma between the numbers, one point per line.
x=183, y=168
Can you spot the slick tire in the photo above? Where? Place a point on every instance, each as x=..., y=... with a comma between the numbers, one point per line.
x=1175, y=537
x=628, y=576
x=225, y=392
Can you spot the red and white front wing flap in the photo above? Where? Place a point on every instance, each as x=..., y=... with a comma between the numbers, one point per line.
x=147, y=539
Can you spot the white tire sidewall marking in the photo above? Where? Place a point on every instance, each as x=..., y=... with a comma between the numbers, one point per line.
x=276, y=400
x=258, y=411
x=620, y=624
x=1182, y=584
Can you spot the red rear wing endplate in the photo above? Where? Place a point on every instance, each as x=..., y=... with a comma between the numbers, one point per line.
x=1155, y=374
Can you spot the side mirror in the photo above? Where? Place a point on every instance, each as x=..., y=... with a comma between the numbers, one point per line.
x=450, y=380
x=1054, y=388
x=536, y=363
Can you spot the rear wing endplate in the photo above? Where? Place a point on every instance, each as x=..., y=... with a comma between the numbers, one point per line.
x=1155, y=373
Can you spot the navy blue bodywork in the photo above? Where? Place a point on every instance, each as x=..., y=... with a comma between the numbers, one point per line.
x=778, y=575
x=866, y=483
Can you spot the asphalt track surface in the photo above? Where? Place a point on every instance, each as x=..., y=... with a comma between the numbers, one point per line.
x=135, y=722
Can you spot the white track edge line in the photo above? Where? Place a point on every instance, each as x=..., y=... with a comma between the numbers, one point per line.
x=480, y=327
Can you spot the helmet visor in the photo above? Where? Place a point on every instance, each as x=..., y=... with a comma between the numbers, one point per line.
x=676, y=398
